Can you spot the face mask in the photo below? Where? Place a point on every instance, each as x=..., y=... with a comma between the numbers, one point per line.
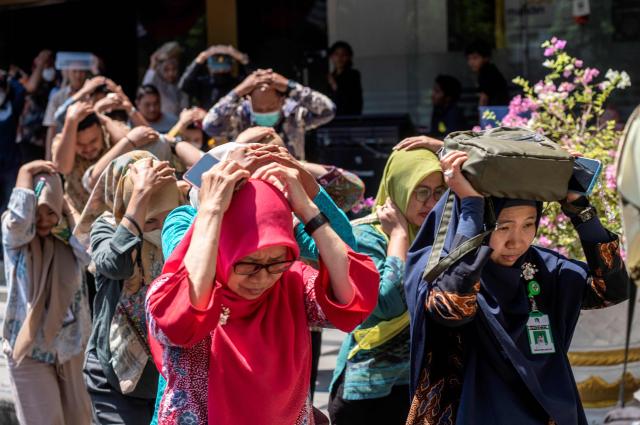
x=153, y=237
x=49, y=74
x=266, y=119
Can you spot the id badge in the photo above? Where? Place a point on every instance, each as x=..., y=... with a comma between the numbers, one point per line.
x=539, y=331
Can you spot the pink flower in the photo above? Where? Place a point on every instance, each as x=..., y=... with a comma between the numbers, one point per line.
x=363, y=204
x=610, y=177
x=567, y=73
x=549, y=51
x=544, y=241
x=566, y=87
x=514, y=120
x=589, y=75
x=544, y=221
x=578, y=63
x=554, y=40
x=476, y=128
x=560, y=44
x=563, y=251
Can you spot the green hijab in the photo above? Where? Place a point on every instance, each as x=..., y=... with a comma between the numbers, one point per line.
x=403, y=172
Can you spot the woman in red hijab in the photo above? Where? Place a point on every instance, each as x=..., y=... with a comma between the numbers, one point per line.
x=229, y=316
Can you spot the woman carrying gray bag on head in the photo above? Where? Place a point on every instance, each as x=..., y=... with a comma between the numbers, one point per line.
x=492, y=315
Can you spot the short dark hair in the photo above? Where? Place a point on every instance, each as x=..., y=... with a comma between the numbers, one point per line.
x=340, y=45
x=146, y=89
x=480, y=47
x=450, y=86
x=88, y=121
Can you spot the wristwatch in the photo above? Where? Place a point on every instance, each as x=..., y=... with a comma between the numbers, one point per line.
x=290, y=86
x=587, y=214
x=579, y=213
x=315, y=223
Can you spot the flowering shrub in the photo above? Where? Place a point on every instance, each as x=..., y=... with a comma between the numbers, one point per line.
x=568, y=106
x=364, y=206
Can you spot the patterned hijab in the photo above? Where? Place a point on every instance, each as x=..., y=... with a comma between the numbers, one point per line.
x=109, y=200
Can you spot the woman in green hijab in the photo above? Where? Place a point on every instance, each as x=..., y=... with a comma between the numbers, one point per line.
x=370, y=382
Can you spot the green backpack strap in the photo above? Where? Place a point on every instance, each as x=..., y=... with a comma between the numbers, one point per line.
x=436, y=266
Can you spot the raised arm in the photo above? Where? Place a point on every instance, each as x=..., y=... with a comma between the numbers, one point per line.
x=320, y=109
x=64, y=147
x=181, y=303
x=332, y=250
x=337, y=219
x=135, y=139
x=18, y=223
x=607, y=279
x=200, y=260
x=451, y=298
x=114, y=248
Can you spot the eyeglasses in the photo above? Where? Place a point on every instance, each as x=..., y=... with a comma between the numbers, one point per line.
x=423, y=194
x=248, y=269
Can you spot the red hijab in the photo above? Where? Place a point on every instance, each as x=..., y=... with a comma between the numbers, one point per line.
x=260, y=360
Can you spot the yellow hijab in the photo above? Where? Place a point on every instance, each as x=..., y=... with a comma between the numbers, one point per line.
x=403, y=172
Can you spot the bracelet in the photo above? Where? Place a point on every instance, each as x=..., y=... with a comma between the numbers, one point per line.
x=315, y=223
x=174, y=143
x=134, y=222
x=133, y=145
x=291, y=85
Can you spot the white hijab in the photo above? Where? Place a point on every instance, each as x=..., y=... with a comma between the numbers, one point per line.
x=628, y=176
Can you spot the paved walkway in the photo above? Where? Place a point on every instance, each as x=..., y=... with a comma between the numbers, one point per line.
x=331, y=341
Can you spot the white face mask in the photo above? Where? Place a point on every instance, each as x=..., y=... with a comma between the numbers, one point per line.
x=153, y=237
x=49, y=74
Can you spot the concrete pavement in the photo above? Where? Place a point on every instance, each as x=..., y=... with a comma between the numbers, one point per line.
x=331, y=341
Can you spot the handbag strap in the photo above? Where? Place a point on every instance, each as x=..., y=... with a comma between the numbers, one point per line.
x=632, y=301
x=441, y=235
x=435, y=265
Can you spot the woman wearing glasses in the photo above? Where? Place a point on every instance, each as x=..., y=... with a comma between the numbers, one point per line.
x=234, y=301
x=370, y=382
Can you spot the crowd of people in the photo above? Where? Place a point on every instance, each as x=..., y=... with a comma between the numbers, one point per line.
x=136, y=297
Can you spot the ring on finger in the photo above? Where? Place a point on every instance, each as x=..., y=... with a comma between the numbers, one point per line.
x=448, y=173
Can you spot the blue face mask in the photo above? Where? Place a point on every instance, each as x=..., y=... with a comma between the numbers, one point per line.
x=266, y=119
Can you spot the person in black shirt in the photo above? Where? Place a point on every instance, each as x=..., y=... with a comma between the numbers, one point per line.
x=344, y=81
x=447, y=116
x=492, y=86
x=209, y=76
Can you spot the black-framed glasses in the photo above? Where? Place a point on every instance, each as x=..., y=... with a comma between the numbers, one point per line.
x=248, y=269
x=423, y=193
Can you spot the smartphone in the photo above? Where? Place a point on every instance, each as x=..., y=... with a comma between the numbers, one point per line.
x=194, y=174
x=585, y=175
